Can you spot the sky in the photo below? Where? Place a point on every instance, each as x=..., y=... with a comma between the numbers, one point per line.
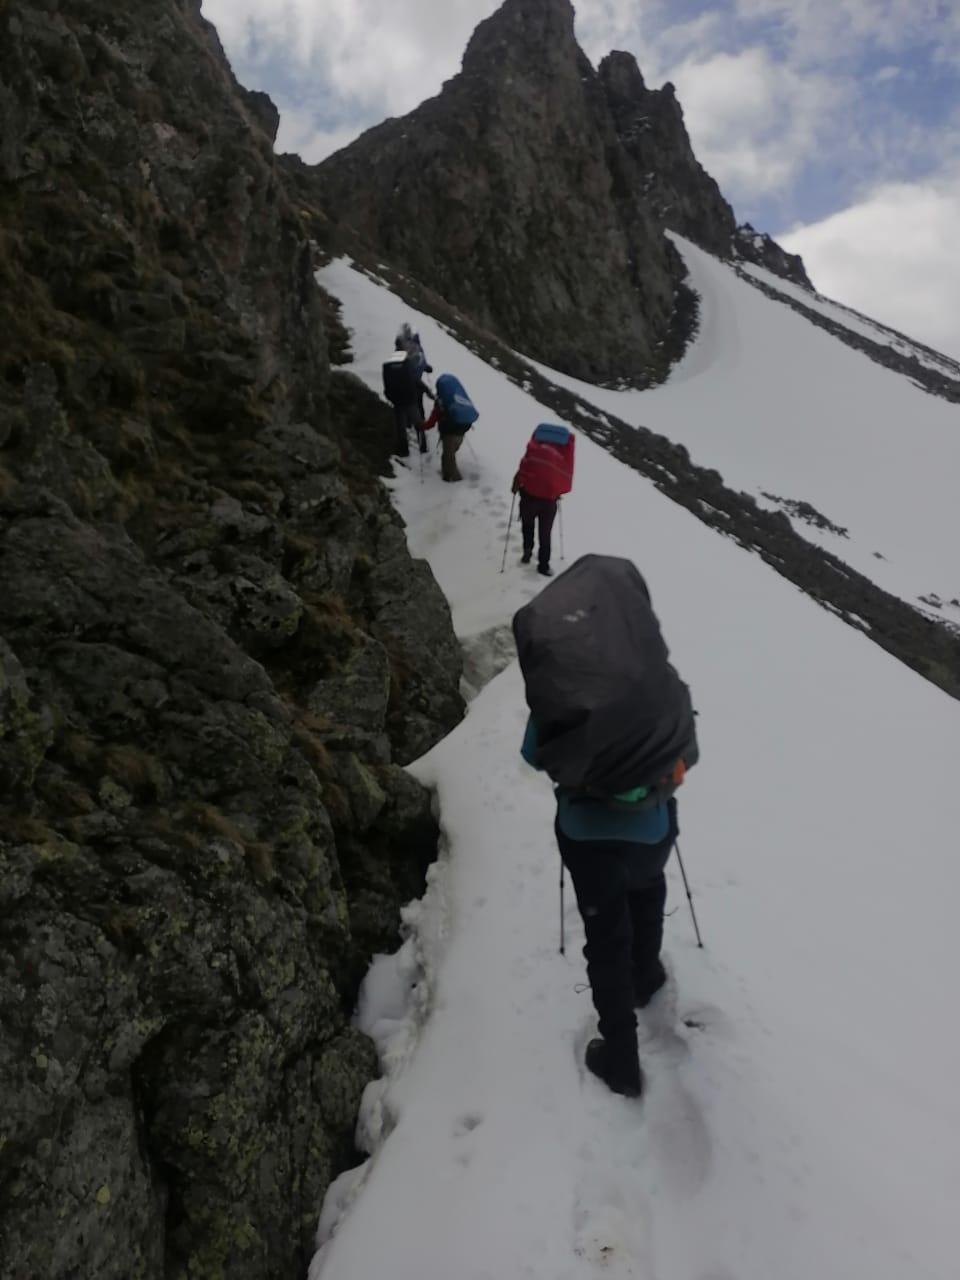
x=832, y=124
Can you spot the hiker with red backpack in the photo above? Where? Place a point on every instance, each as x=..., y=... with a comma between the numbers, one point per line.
x=612, y=724
x=545, y=474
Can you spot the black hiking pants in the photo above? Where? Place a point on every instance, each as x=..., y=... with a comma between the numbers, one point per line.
x=621, y=891
x=537, y=512
x=404, y=417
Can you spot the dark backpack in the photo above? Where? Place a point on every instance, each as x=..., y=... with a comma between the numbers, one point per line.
x=399, y=379
x=613, y=719
x=456, y=405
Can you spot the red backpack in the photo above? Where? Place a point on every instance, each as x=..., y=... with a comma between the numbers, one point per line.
x=546, y=469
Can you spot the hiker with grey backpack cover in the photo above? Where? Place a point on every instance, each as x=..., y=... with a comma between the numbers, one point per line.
x=612, y=724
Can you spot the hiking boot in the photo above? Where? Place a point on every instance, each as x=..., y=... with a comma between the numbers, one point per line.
x=545, y=570
x=618, y=1068
x=647, y=986
x=526, y=557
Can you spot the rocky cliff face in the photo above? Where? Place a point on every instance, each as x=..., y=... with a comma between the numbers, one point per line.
x=505, y=195
x=215, y=652
x=649, y=122
x=680, y=193
x=533, y=194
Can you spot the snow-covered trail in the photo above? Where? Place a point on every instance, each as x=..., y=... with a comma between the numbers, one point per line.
x=777, y=405
x=805, y=1123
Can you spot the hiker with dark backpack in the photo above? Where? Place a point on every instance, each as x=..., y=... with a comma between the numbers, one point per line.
x=545, y=474
x=453, y=415
x=612, y=724
x=403, y=386
x=414, y=348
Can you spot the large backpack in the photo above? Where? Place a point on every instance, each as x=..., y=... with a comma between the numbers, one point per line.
x=399, y=379
x=546, y=469
x=612, y=717
x=458, y=408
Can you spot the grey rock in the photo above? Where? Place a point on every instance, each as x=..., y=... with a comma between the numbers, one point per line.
x=532, y=194
x=365, y=795
x=499, y=194
x=25, y=732
x=360, y=691
x=195, y=868
x=763, y=251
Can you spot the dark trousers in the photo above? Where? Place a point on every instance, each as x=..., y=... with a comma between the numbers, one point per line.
x=537, y=512
x=621, y=891
x=404, y=417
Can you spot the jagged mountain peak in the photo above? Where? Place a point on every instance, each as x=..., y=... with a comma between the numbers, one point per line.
x=533, y=193
x=519, y=28
x=621, y=74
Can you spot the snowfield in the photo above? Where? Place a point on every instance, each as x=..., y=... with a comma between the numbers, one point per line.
x=778, y=406
x=802, y=1113
x=854, y=321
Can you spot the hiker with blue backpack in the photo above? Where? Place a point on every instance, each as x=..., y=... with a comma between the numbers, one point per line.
x=612, y=724
x=453, y=415
x=545, y=474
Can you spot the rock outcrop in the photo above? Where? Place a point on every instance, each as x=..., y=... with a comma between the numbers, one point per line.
x=533, y=194
x=763, y=251
x=505, y=194
x=681, y=194
x=215, y=654
x=649, y=123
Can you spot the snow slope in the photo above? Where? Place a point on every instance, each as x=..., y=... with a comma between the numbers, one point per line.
x=777, y=405
x=802, y=1113
x=854, y=321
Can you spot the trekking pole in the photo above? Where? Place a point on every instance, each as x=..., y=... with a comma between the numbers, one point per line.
x=560, y=514
x=507, y=538
x=686, y=885
x=562, y=940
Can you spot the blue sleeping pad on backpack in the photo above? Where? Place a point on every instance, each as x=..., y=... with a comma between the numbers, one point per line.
x=549, y=433
x=457, y=406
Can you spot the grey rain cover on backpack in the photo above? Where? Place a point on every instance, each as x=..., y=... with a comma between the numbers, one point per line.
x=610, y=711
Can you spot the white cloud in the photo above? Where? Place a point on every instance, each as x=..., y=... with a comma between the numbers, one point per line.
x=754, y=122
x=823, y=31
x=373, y=55
x=893, y=256
x=312, y=142
x=335, y=67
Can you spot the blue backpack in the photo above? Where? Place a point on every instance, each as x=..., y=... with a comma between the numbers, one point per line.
x=548, y=433
x=457, y=406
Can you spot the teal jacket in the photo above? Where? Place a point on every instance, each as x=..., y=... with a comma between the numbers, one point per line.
x=580, y=818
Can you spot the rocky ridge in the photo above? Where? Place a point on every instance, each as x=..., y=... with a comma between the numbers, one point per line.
x=533, y=193
x=215, y=655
